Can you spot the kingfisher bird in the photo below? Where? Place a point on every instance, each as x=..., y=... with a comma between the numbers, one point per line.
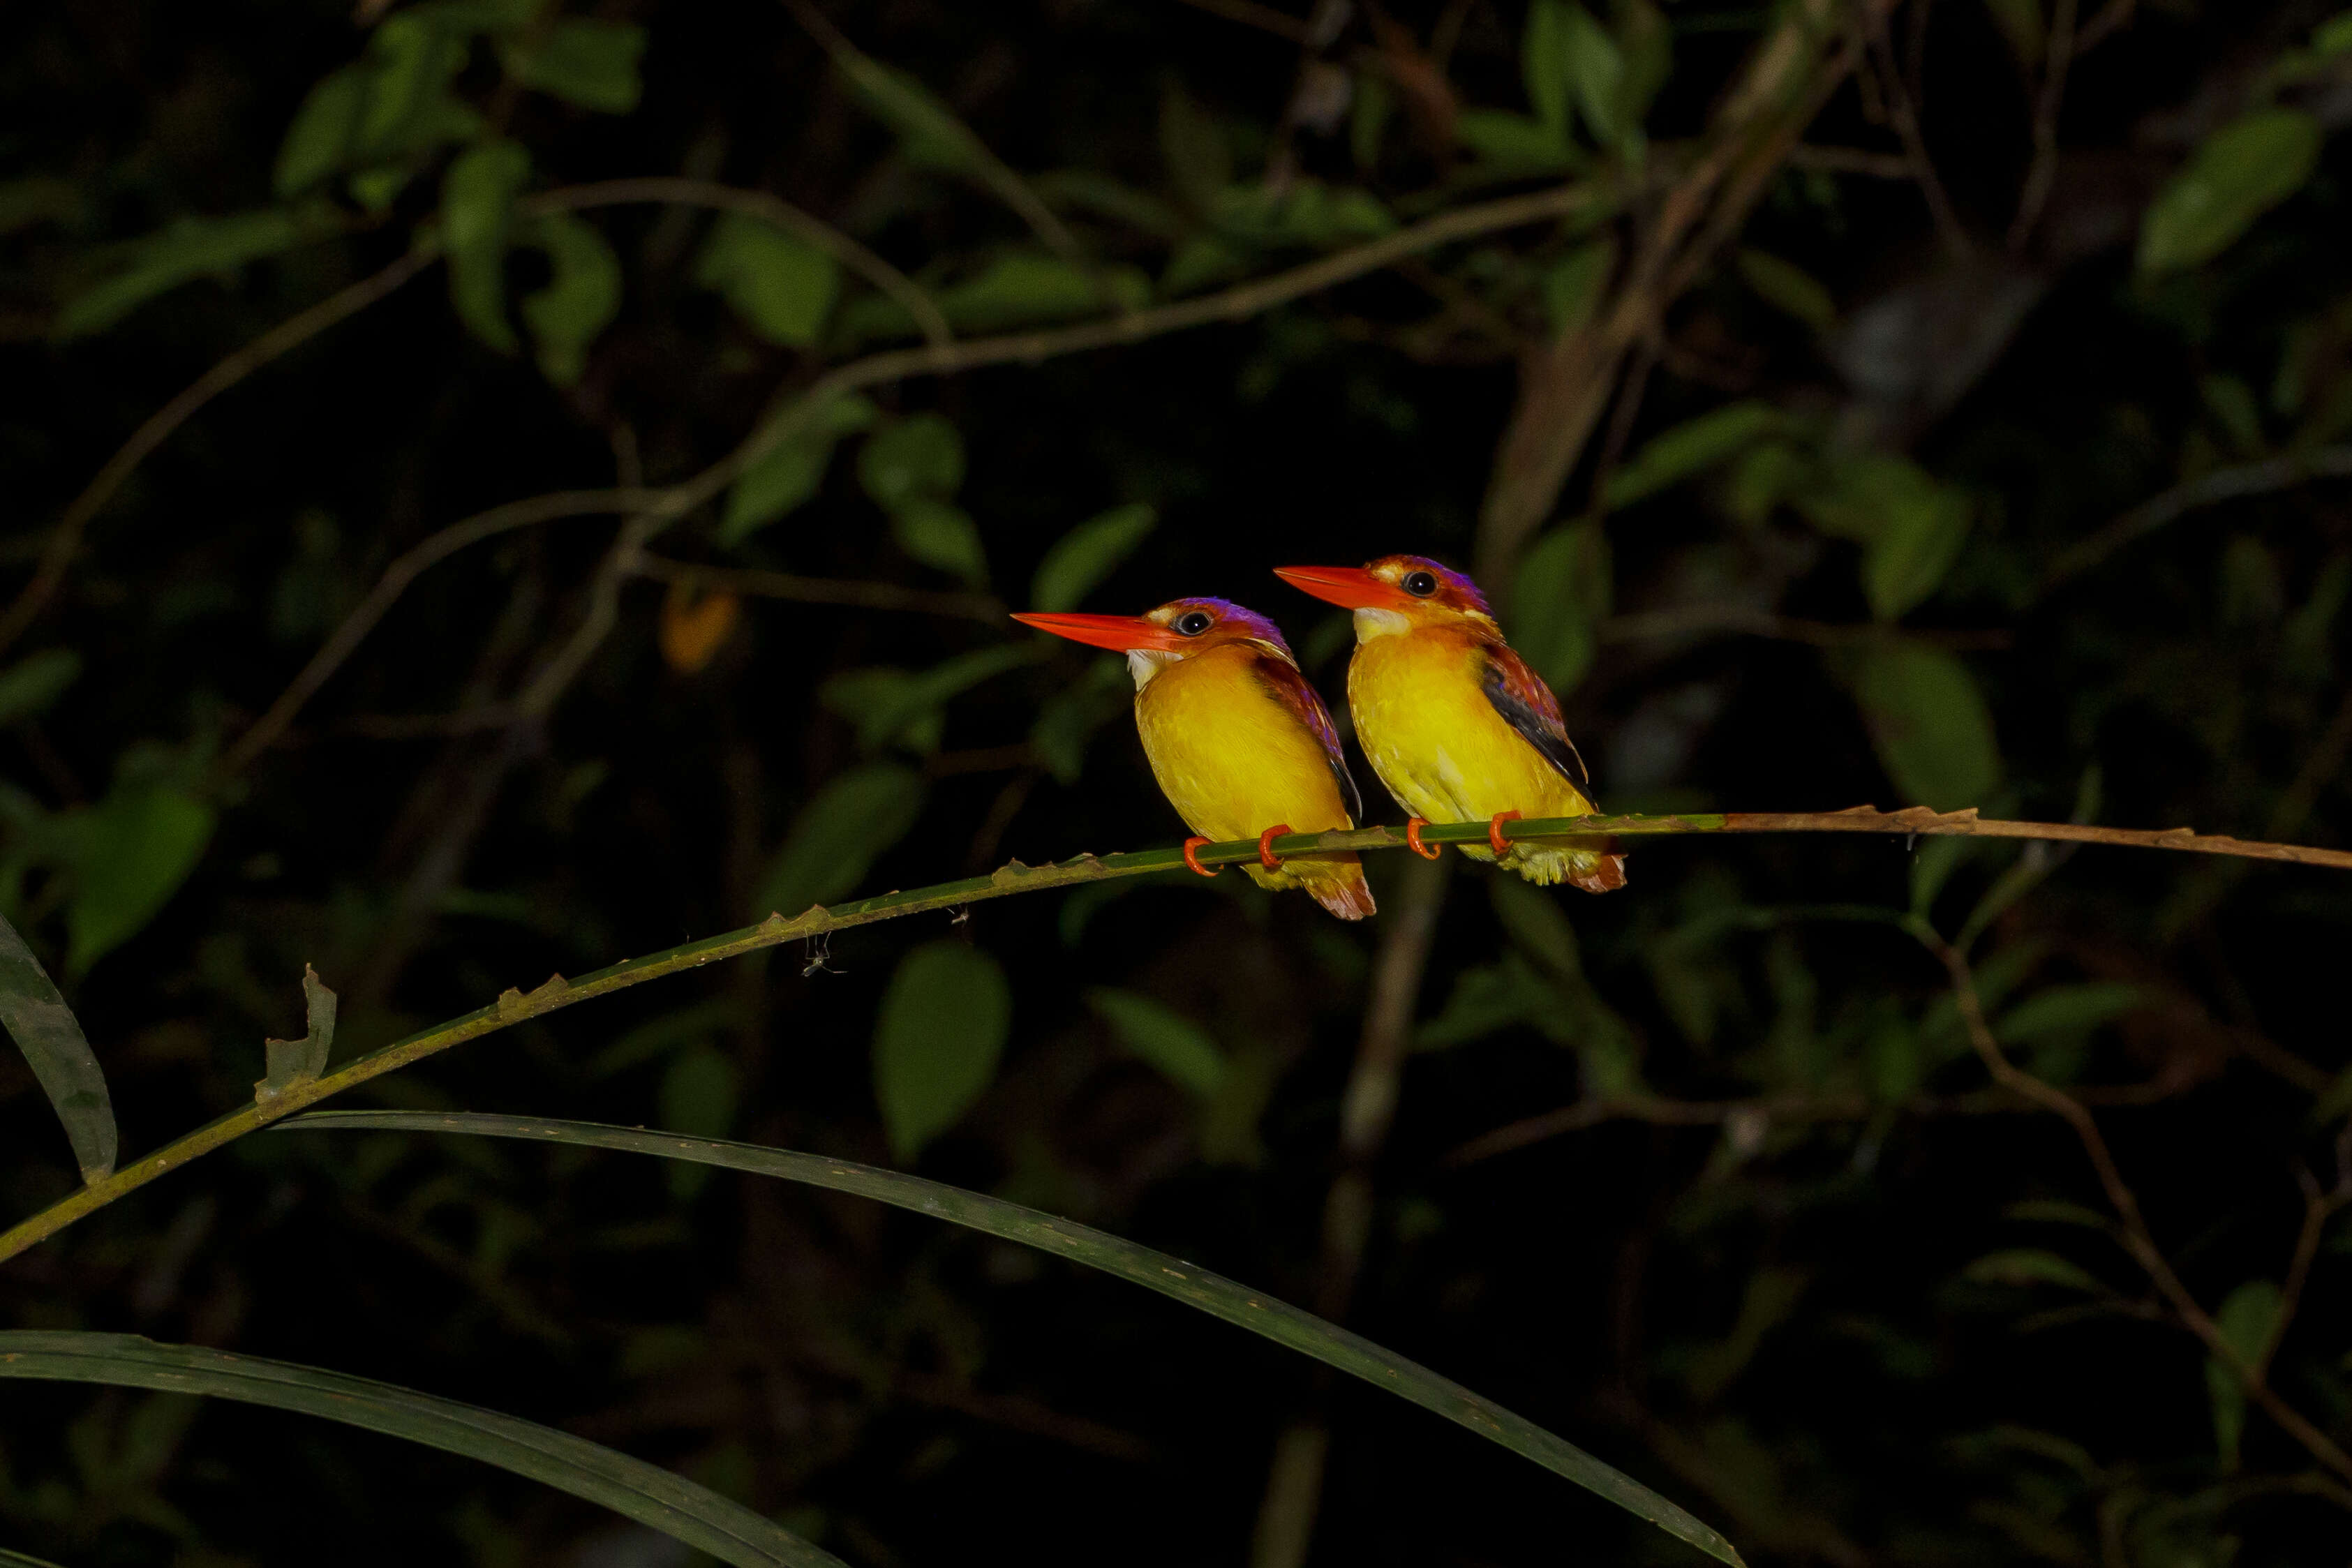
x=1242, y=746
x=1455, y=724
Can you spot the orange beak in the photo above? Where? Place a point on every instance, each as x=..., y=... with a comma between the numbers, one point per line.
x=1120, y=633
x=1350, y=587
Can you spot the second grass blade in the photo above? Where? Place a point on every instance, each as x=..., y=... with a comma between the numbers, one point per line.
x=46, y=1030
x=652, y=1496
x=1212, y=1293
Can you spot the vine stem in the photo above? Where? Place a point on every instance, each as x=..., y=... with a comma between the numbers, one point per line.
x=2135, y=1234
x=514, y=1005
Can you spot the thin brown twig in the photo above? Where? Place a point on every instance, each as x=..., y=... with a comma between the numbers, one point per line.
x=2112, y=18
x=2135, y=1235
x=65, y=537
x=347, y=637
x=1851, y=160
x=2319, y=1206
x=2057, y=54
x=2232, y=484
x=1684, y=620
x=1905, y=117
x=981, y=607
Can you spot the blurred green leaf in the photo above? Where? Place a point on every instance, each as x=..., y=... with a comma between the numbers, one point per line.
x=1933, y=861
x=477, y=197
x=893, y=706
x=1248, y=1309
x=582, y=296
x=322, y=132
x=415, y=55
x=2031, y=1266
x=1788, y=288
x=1513, y=143
x=1646, y=41
x=2241, y=172
x=38, y=199
x=1018, y=288
x=836, y=838
x=2334, y=1099
x=288, y=1062
x=1918, y=539
x=1596, y=67
x=2064, y=1010
x=1304, y=213
x=937, y=1040
x=652, y=1497
x=1929, y=723
x=1538, y=928
x=1547, y=65
x=29, y=686
x=1070, y=716
x=1574, y=286
x=943, y=536
x=782, y=286
x=1561, y=595
x=921, y=457
x=1182, y=1049
x=189, y=249
x=928, y=132
x=1486, y=1000
x=50, y=1037
x=1075, y=564
x=793, y=470
x=592, y=64
x=1672, y=455
x=136, y=847
x=1194, y=147
x=2247, y=1317
x=2333, y=37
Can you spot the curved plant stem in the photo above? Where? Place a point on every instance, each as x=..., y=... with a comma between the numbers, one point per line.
x=514, y=1007
x=2133, y=1229
x=65, y=539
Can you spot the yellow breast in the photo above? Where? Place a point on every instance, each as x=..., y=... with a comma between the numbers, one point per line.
x=1435, y=740
x=1231, y=758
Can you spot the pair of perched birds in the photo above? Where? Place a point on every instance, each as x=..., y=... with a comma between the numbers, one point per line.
x=1455, y=723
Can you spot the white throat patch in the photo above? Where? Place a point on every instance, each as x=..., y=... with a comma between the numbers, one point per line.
x=1145, y=663
x=1371, y=623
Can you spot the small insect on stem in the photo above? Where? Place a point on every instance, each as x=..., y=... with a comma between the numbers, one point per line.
x=960, y=915
x=819, y=948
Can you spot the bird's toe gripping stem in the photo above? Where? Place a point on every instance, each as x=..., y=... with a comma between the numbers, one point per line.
x=1266, y=855
x=1413, y=826
x=1192, y=857
x=1494, y=831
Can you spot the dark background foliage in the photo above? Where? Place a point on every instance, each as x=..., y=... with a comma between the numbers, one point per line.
x=1783, y=1254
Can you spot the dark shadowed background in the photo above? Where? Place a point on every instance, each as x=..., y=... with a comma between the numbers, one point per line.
x=1901, y=403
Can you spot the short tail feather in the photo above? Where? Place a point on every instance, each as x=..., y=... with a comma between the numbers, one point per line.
x=1594, y=871
x=1334, y=880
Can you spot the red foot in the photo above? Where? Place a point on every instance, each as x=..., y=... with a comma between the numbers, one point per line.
x=1192, y=851
x=1413, y=826
x=1266, y=855
x=1494, y=831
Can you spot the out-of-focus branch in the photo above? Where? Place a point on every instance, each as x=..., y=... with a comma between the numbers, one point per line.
x=2232, y=484
x=347, y=637
x=2320, y=1205
x=980, y=607
x=2134, y=1232
x=2056, y=56
x=65, y=537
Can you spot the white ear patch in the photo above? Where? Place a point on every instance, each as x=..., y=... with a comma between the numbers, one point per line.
x=1145, y=663
x=1371, y=623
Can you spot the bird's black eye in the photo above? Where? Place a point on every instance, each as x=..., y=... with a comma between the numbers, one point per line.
x=1192, y=622
x=1421, y=584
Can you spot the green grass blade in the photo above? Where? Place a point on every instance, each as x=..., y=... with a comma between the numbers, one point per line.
x=46, y=1030
x=1252, y=1309
x=18, y=1560
x=647, y=1493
